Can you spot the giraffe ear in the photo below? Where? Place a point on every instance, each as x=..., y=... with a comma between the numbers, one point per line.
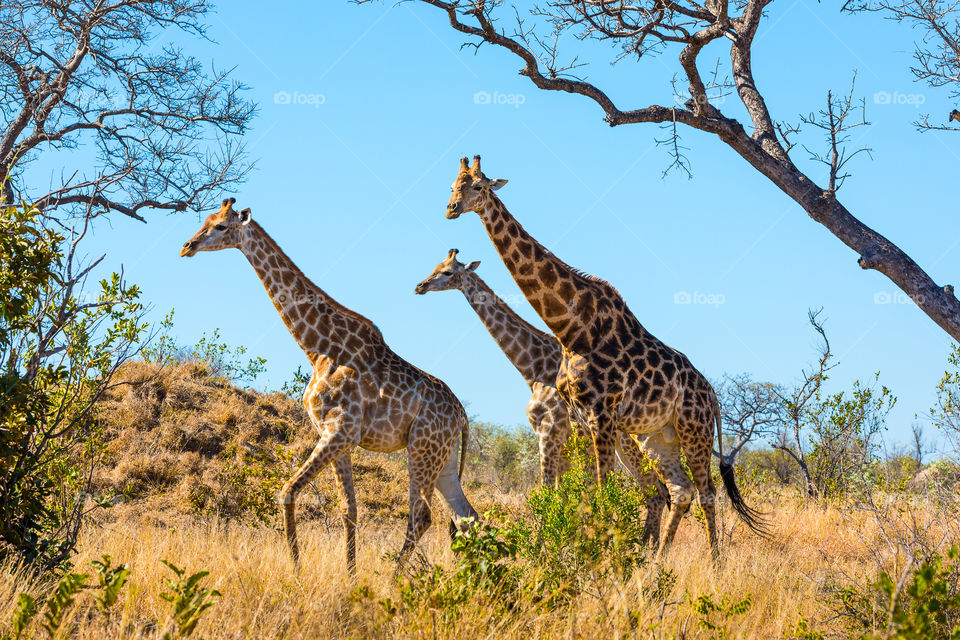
x=473, y=265
x=496, y=184
x=245, y=215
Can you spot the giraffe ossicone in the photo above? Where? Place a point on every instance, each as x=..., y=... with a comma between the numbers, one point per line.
x=360, y=393
x=615, y=374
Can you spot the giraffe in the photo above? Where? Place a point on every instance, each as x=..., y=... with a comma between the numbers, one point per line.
x=537, y=356
x=615, y=374
x=360, y=393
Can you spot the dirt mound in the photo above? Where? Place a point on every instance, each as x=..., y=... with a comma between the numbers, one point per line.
x=183, y=443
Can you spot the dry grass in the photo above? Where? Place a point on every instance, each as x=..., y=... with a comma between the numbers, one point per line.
x=786, y=578
x=174, y=430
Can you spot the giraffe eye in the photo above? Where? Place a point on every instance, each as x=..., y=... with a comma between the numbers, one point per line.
x=221, y=227
x=477, y=187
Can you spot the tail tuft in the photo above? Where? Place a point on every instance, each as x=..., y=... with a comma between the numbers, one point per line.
x=753, y=518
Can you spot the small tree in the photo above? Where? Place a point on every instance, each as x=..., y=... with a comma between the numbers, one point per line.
x=751, y=411
x=946, y=413
x=59, y=348
x=831, y=437
x=798, y=401
x=844, y=433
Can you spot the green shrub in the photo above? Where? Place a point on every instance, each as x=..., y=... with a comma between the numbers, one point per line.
x=926, y=606
x=59, y=348
x=580, y=527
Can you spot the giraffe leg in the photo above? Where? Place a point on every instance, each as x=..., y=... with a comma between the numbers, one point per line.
x=604, y=431
x=663, y=448
x=425, y=466
x=548, y=419
x=448, y=484
x=697, y=442
x=348, y=508
x=331, y=445
x=632, y=456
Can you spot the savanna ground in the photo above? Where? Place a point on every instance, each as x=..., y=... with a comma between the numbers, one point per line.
x=194, y=463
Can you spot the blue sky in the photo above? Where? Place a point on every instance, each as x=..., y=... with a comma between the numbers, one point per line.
x=353, y=176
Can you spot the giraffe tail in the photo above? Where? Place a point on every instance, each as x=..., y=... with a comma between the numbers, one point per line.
x=751, y=517
x=464, y=436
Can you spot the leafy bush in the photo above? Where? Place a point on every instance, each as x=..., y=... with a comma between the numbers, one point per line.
x=188, y=600
x=924, y=606
x=224, y=362
x=59, y=348
x=61, y=601
x=581, y=527
x=576, y=534
x=251, y=481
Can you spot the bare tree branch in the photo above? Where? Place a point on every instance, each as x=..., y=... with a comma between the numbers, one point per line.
x=159, y=125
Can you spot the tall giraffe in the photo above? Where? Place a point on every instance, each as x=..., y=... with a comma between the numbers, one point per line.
x=615, y=374
x=361, y=393
x=537, y=356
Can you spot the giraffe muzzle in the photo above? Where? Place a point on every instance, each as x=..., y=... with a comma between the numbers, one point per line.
x=188, y=249
x=454, y=210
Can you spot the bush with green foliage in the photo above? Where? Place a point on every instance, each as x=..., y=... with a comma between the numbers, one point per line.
x=223, y=361
x=188, y=601
x=59, y=348
x=576, y=534
x=508, y=458
x=924, y=604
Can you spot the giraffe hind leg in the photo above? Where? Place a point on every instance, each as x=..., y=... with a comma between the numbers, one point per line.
x=697, y=442
x=665, y=455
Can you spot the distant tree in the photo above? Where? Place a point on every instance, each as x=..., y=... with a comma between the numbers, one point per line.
x=798, y=401
x=831, y=437
x=946, y=413
x=751, y=411
x=160, y=127
x=546, y=38
x=919, y=446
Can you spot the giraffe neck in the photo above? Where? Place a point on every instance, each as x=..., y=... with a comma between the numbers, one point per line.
x=319, y=324
x=535, y=354
x=566, y=299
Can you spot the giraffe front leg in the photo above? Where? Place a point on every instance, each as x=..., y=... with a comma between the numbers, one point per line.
x=603, y=429
x=339, y=433
x=348, y=508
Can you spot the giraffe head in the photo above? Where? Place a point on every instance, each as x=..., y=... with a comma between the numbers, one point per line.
x=471, y=189
x=446, y=275
x=221, y=230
